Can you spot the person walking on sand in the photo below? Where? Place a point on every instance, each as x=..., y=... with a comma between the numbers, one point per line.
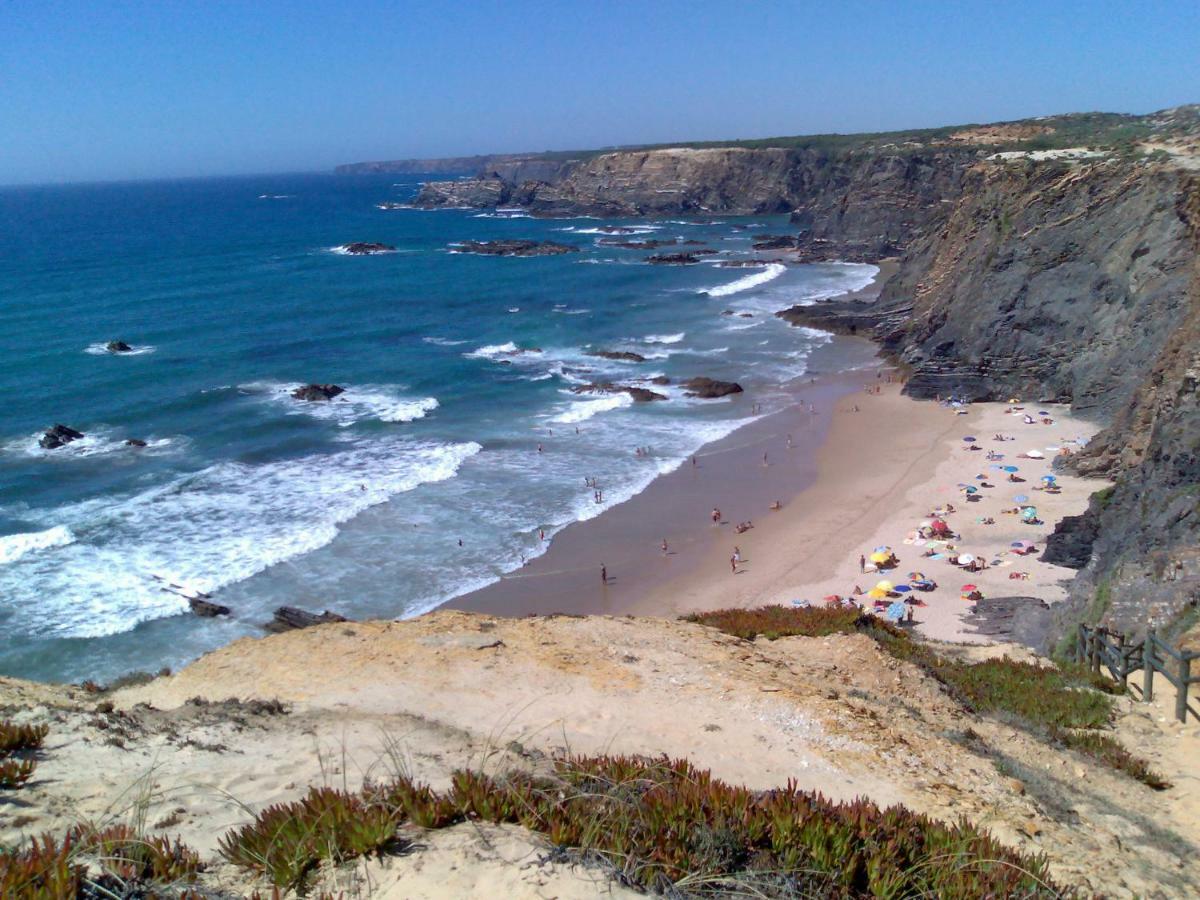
x=862, y=563
x=737, y=554
x=790, y=444
x=733, y=561
x=716, y=516
x=664, y=547
x=765, y=459
x=604, y=574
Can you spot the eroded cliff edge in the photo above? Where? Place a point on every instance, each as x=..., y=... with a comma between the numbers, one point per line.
x=1046, y=259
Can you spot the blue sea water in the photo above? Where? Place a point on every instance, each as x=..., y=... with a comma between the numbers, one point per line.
x=456, y=368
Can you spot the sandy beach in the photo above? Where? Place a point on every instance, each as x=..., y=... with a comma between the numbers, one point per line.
x=861, y=469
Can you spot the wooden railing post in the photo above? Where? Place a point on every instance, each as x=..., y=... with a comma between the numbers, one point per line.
x=1119, y=646
x=1095, y=658
x=1081, y=643
x=1185, y=673
x=1148, y=667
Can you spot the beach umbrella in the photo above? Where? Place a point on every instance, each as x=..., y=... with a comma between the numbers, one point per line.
x=1029, y=513
x=1009, y=469
x=996, y=466
x=896, y=611
x=884, y=549
x=1035, y=454
x=1020, y=498
x=876, y=594
x=916, y=576
x=966, y=559
x=1049, y=478
x=970, y=439
x=967, y=588
x=902, y=589
x=879, y=557
x=883, y=586
x=1042, y=412
x=1023, y=545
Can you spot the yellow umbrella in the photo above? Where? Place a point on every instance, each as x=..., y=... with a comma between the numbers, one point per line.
x=879, y=557
x=876, y=594
x=884, y=586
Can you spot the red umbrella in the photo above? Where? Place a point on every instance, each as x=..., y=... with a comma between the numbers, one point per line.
x=967, y=588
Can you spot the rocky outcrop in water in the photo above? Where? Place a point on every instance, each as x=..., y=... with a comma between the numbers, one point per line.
x=317, y=392
x=58, y=436
x=639, y=394
x=137, y=443
x=619, y=355
x=514, y=248
x=118, y=347
x=366, y=248
x=673, y=259
x=709, y=388
x=638, y=245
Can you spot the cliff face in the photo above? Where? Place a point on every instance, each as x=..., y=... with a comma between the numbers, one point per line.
x=868, y=202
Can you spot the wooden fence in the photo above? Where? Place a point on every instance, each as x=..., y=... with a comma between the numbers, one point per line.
x=1102, y=648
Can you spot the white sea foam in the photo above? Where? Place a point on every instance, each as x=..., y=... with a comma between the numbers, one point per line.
x=341, y=250
x=358, y=403
x=580, y=410
x=746, y=282
x=96, y=441
x=442, y=342
x=624, y=230
x=503, y=214
x=493, y=351
x=206, y=530
x=14, y=546
x=100, y=348
x=664, y=338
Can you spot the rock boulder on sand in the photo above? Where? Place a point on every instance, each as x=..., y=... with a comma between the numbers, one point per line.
x=318, y=392
x=710, y=388
x=58, y=436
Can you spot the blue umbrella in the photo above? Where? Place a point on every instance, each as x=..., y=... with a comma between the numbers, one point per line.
x=902, y=589
x=971, y=439
x=1048, y=478
x=971, y=490
x=1020, y=498
x=896, y=611
x=1010, y=469
x=996, y=466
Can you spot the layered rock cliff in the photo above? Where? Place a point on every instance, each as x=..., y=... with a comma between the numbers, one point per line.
x=1029, y=265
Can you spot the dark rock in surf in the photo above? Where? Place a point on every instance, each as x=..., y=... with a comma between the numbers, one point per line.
x=710, y=389
x=317, y=392
x=660, y=379
x=776, y=242
x=749, y=263
x=638, y=245
x=619, y=355
x=58, y=436
x=206, y=609
x=366, y=248
x=289, y=618
x=673, y=259
x=514, y=248
x=639, y=394
x=135, y=442
x=118, y=347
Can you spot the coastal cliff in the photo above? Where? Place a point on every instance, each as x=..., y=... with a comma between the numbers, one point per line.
x=1050, y=259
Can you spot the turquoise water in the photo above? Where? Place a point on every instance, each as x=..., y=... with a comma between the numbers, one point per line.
x=231, y=292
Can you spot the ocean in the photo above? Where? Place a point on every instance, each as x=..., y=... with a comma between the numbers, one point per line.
x=456, y=367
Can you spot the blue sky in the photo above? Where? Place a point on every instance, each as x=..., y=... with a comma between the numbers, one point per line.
x=119, y=90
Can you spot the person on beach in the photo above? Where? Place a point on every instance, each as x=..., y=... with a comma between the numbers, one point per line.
x=541, y=534
x=765, y=463
x=664, y=547
x=789, y=442
x=737, y=553
x=733, y=561
x=716, y=516
x=539, y=448
x=862, y=563
x=460, y=542
x=693, y=461
x=604, y=574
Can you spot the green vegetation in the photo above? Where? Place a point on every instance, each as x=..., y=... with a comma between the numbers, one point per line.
x=665, y=826
x=15, y=742
x=92, y=862
x=1047, y=701
x=286, y=841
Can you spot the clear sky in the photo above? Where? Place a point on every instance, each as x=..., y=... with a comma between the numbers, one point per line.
x=104, y=89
